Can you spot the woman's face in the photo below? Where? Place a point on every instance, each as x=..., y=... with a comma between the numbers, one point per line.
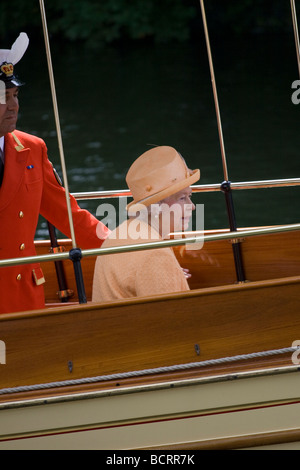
x=176, y=211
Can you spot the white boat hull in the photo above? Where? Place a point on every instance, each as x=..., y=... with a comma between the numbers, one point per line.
x=234, y=411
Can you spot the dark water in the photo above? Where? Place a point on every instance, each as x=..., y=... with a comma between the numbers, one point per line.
x=115, y=102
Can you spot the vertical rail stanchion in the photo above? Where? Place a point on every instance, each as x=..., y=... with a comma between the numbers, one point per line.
x=75, y=256
x=226, y=185
x=296, y=34
x=236, y=248
x=64, y=293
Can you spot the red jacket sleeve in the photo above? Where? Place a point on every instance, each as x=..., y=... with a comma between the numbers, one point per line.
x=89, y=231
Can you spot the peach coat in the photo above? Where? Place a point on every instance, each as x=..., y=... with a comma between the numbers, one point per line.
x=138, y=273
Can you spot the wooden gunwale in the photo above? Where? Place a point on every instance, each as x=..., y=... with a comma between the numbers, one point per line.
x=164, y=381
x=72, y=308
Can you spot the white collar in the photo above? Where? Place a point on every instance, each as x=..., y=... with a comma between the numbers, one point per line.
x=2, y=147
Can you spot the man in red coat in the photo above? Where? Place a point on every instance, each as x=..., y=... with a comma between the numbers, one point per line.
x=29, y=187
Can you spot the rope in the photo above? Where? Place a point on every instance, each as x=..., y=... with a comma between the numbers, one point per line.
x=139, y=373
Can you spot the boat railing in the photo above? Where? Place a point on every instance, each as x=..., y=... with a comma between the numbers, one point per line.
x=205, y=188
x=199, y=237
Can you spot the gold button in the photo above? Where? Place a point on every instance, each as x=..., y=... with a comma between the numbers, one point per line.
x=19, y=277
x=22, y=246
x=21, y=214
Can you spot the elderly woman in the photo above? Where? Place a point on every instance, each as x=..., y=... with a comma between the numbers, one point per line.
x=159, y=181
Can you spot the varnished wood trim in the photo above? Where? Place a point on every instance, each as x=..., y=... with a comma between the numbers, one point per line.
x=155, y=298
x=238, y=442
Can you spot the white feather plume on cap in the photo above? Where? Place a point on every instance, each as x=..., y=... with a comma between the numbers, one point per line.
x=17, y=50
x=10, y=57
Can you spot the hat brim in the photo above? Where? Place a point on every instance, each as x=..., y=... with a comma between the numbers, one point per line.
x=135, y=206
x=13, y=83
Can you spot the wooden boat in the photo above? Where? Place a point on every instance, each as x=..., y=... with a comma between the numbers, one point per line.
x=213, y=368
x=172, y=371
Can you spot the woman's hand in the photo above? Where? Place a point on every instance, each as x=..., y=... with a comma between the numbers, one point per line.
x=186, y=273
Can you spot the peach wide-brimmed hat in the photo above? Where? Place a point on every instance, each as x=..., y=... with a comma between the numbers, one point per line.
x=157, y=174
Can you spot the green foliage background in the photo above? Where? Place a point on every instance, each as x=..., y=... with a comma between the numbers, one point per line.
x=98, y=22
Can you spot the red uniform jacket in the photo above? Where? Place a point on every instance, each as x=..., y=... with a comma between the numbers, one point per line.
x=30, y=188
